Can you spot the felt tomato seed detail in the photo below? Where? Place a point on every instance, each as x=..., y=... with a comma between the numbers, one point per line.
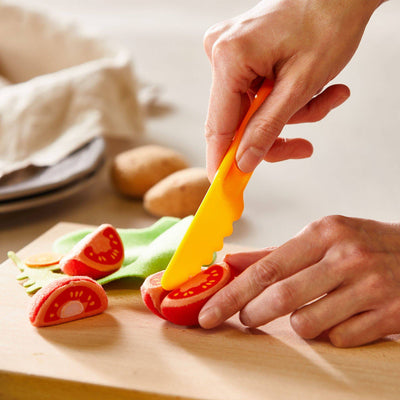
x=67, y=299
x=182, y=306
x=97, y=255
x=112, y=255
x=205, y=280
x=72, y=302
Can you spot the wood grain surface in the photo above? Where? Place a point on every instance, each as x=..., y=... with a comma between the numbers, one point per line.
x=127, y=353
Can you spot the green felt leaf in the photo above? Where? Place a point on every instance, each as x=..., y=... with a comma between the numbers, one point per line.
x=147, y=250
x=134, y=240
x=156, y=256
x=34, y=278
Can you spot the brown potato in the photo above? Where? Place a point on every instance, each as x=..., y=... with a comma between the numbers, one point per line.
x=179, y=194
x=135, y=171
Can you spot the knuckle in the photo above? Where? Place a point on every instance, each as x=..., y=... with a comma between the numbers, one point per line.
x=304, y=325
x=376, y=283
x=329, y=227
x=282, y=299
x=225, y=50
x=267, y=128
x=209, y=40
x=230, y=298
x=222, y=49
x=266, y=272
x=355, y=258
x=211, y=134
x=212, y=34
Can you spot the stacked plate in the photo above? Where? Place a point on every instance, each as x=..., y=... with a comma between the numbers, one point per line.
x=36, y=186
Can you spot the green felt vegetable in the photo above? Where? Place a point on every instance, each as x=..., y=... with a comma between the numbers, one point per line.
x=155, y=257
x=147, y=251
x=35, y=278
x=134, y=240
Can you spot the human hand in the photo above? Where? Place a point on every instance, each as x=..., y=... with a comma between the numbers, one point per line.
x=338, y=275
x=301, y=45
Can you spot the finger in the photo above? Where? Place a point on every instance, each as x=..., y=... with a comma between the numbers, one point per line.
x=285, y=149
x=360, y=329
x=231, y=78
x=268, y=122
x=317, y=108
x=304, y=250
x=241, y=260
x=288, y=295
x=212, y=35
x=222, y=119
x=336, y=307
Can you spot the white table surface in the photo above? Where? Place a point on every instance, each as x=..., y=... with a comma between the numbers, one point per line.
x=354, y=171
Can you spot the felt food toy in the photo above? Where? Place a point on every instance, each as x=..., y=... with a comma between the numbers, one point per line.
x=179, y=194
x=67, y=299
x=35, y=278
x=153, y=293
x=134, y=240
x=135, y=171
x=182, y=305
x=155, y=257
x=97, y=255
x=42, y=260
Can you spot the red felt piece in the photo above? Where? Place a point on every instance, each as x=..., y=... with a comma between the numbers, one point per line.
x=153, y=293
x=97, y=255
x=67, y=299
x=182, y=305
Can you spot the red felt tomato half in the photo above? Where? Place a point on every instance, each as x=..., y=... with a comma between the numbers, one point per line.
x=67, y=299
x=97, y=255
x=182, y=305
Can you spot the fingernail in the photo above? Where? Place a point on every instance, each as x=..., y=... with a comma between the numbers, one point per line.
x=210, y=317
x=249, y=160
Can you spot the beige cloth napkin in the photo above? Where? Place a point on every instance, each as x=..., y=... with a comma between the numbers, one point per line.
x=67, y=87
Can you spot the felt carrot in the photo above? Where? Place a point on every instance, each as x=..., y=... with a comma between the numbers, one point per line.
x=34, y=278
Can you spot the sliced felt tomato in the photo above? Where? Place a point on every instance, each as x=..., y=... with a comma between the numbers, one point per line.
x=153, y=293
x=182, y=305
x=67, y=299
x=97, y=255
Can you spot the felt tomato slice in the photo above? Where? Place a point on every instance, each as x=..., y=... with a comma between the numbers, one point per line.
x=182, y=305
x=97, y=255
x=153, y=293
x=67, y=299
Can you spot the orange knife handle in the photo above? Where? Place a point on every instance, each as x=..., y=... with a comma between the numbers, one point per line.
x=238, y=179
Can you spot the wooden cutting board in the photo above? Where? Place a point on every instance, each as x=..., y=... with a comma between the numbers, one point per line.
x=127, y=353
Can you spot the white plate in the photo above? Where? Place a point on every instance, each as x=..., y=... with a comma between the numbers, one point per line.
x=34, y=180
x=48, y=197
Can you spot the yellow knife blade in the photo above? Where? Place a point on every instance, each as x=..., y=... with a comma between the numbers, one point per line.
x=221, y=206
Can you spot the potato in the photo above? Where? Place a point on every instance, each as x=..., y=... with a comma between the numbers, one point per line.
x=179, y=194
x=135, y=171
